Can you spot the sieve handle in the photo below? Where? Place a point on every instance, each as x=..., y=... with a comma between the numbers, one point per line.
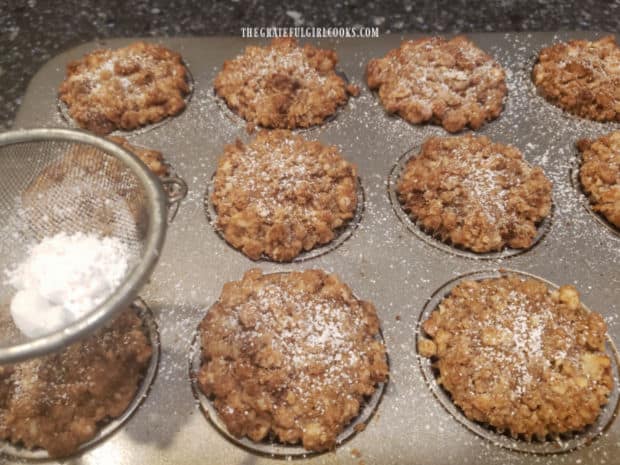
x=176, y=190
x=175, y=187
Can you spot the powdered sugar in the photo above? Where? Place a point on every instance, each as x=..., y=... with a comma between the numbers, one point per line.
x=63, y=278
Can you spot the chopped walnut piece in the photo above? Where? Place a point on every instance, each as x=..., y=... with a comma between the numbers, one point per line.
x=426, y=347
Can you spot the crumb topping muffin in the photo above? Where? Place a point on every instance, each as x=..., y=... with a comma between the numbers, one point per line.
x=283, y=85
x=448, y=82
x=599, y=174
x=60, y=401
x=113, y=201
x=280, y=195
x=125, y=88
x=520, y=357
x=581, y=77
x=153, y=159
x=474, y=193
x=290, y=356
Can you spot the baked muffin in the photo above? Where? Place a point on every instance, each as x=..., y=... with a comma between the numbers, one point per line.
x=599, y=174
x=474, y=193
x=283, y=85
x=582, y=77
x=280, y=195
x=448, y=82
x=524, y=359
x=111, y=203
x=125, y=88
x=153, y=159
x=85, y=190
x=60, y=401
x=290, y=356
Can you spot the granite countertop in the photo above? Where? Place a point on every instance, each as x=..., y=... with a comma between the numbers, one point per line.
x=32, y=31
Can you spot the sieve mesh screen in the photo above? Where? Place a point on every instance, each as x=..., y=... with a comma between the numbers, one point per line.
x=52, y=186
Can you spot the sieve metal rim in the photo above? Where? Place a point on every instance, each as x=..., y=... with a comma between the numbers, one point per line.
x=136, y=278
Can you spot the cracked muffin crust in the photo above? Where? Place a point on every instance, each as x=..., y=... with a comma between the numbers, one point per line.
x=475, y=193
x=599, y=174
x=280, y=195
x=291, y=356
x=581, y=77
x=520, y=357
x=447, y=82
x=60, y=401
x=283, y=85
x=125, y=88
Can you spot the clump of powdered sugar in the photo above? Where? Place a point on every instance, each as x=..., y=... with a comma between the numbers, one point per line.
x=63, y=278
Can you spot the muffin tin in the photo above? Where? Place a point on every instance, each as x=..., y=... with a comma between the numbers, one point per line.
x=381, y=261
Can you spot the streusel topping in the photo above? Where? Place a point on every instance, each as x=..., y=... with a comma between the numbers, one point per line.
x=475, y=193
x=60, y=401
x=520, y=357
x=281, y=194
x=283, y=85
x=448, y=82
x=600, y=174
x=582, y=77
x=125, y=88
x=291, y=355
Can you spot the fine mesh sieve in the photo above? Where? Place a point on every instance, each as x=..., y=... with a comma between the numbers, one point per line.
x=60, y=180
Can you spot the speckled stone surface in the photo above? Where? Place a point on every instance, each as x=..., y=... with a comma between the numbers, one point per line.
x=32, y=31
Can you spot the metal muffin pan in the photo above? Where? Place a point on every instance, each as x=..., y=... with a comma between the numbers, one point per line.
x=381, y=261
